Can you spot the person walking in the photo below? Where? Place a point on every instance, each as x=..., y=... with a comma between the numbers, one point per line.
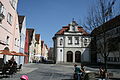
x=102, y=73
x=77, y=72
x=82, y=70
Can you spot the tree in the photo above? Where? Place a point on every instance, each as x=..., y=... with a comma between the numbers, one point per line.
x=100, y=13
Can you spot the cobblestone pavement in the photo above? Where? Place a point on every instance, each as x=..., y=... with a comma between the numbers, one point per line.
x=43, y=72
x=55, y=72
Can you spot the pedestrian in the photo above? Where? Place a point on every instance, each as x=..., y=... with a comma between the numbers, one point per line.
x=82, y=70
x=102, y=73
x=77, y=72
x=24, y=77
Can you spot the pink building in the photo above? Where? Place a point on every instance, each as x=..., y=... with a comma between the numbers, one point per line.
x=9, y=27
x=44, y=50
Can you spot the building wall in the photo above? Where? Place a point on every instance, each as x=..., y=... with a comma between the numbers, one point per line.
x=8, y=28
x=50, y=54
x=114, y=56
x=22, y=40
x=26, y=49
x=71, y=41
x=16, y=38
x=37, y=48
x=32, y=48
x=44, y=51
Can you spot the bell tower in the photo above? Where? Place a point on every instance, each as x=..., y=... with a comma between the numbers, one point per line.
x=73, y=27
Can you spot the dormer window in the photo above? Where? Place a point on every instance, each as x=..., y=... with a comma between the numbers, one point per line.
x=73, y=28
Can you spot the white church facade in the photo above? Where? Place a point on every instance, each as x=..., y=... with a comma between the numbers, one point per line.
x=71, y=44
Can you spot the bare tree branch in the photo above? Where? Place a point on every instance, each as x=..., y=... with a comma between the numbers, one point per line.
x=98, y=14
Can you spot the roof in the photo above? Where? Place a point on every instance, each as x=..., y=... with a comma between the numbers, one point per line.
x=113, y=23
x=66, y=28
x=30, y=33
x=20, y=20
x=42, y=43
x=37, y=38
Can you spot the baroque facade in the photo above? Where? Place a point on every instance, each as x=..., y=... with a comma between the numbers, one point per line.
x=71, y=44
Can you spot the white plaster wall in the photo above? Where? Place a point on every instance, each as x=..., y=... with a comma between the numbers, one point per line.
x=59, y=55
x=85, y=55
x=58, y=41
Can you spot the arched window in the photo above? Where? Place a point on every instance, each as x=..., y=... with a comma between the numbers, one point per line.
x=69, y=56
x=77, y=56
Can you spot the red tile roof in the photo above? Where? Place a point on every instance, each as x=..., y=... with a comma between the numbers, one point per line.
x=66, y=28
x=37, y=38
x=30, y=34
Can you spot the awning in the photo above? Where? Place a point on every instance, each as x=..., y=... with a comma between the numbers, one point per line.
x=19, y=54
x=5, y=52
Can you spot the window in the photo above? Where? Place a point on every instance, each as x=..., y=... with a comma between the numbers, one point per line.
x=69, y=40
x=15, y=41
x=60, y=50
x=76, y=40
x=85, y=42
x=1, y=7
x=9, y=18
x=2, y=12
x=7, y=40
x=61, y=41
x=18, y=42
x=13, y=3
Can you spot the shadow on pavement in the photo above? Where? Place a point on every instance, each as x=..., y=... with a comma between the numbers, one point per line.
x=96, y=65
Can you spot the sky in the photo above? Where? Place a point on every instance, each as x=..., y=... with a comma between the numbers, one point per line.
x=48, y=16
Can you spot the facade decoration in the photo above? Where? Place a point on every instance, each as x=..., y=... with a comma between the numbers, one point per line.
x=71, y=44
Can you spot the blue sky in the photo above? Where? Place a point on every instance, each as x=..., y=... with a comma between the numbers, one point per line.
x=48, y=16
